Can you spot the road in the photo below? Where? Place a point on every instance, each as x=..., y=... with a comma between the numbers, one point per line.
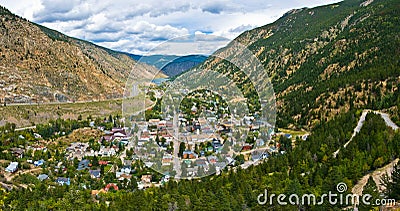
x=9, y=176
x=360, y=123
x=376, y=176
x=25, y=128
x=177, y=160
x=60, y=103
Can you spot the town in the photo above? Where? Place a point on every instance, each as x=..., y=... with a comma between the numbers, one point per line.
x=101, y=154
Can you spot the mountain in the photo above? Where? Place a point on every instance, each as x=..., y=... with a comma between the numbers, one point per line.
x=157, y=61
x=182, y=64
x=171, y=65
x=326, y=60
x=38, y=64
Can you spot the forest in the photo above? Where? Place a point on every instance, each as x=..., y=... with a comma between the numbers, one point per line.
x=309, y=167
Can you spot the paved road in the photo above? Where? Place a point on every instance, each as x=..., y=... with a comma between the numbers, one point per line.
x=177, y=160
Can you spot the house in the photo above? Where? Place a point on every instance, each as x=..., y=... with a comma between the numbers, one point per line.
x=37, y=136
x=216, y=144
x=111, y=185
x=146, y=178
x=13, y=167
x=17, y=152
x=107, y=152
x=289, y=136
x=42, y=177
x=119, y=135
x=192, y=171
x=38, y=162
x=126, y=169
x=201, y=162
x=125, y=176
x=167, y=159
x=165, y=179
x=107, y=138
x=220, y=165
x=63, y=180
x=212, y=159
x=127, y=162
x=230, y=160
x=83, y=164
x=247, y=148
x=95, y=174
x=255, y=156
x=124, y=141
x=260, y=142
x=189, y=155
x=103, y=162
x=96, y=192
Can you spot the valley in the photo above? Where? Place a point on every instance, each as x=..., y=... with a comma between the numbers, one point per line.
x=84, y=127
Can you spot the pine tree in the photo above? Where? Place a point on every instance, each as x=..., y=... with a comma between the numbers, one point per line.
x=371, y=189
x=392, y=184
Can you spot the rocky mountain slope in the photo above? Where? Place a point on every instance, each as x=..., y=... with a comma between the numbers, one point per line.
x=328, y=59
x=38, y=64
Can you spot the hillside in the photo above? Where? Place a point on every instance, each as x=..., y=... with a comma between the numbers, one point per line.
x=182, y=64
x=326, y=60
x=38, y=64
x=158, y=61
x=170, y=65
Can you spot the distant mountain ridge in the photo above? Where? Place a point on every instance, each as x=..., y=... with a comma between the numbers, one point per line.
x=182, y=64
x=38, y=64
x=171, y=65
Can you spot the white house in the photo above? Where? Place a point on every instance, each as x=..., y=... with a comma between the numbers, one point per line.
x=13, y=167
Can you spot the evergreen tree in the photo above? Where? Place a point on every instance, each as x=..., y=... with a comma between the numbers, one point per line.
x=371, y=189
x=392, y=183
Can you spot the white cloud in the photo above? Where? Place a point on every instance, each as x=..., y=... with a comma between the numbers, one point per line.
x=138, y=26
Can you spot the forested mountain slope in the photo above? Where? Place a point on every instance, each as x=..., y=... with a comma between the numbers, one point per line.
x=328, y=59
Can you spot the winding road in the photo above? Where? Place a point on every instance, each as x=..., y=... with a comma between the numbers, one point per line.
x=360, y=123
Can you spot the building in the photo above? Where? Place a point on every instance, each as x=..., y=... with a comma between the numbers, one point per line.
x=212, y=159
x=201, y=162
x=167, y=159
x=189, y=155
x=146, y=178
x=63, y=180
x=216, y=144
x=126, y=169
x=83, y=164
x=111, y=185
x=17, y=152
x=38, y=162
x=13, y=167
x=95, y=174
x=42, y=177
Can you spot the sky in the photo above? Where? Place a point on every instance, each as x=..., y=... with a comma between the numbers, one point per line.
x=147, y=26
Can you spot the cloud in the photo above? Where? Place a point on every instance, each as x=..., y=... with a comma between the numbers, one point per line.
x=214, y=8
x=138, y=26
